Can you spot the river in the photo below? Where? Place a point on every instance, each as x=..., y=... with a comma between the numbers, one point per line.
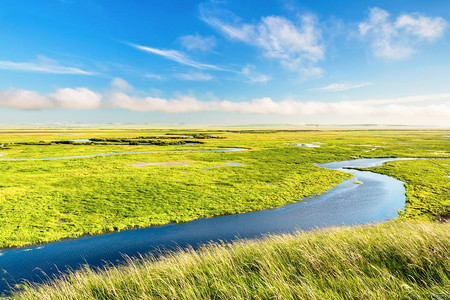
x=378, y=198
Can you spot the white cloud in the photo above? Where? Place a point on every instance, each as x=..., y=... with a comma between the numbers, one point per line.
x=421, y=26
x=290, y=107
x=180, y=105
x=254, y=77
x=77, y=98
x=121, y=84
x=397, y=39
x=292, y=45
x=198, y=42
x=24, y=99
x=408, y=99
x=267, y=106
x=194, y=76
x=177, y=56
x=153, y=76
x=340, y=87
x=83, y=98
x=68, y=98
x=226, y=22
x=296, y=47
x=42, y=65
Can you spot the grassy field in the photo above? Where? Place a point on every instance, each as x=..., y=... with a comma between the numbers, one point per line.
x=45, y=200
x=42, y=201
x=394, y=260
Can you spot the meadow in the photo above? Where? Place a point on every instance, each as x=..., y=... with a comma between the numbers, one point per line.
x=47, y=200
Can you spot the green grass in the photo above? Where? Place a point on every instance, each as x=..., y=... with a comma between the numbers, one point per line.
x=404, y=259
x=394, y=260
x=427, y=185
x=42, y=201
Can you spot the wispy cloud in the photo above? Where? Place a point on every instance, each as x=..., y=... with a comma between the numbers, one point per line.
x=249, y=71
x=194, y=76
x=340, y=87
x=43, y=65
x=153, y=76
x=397, y=39
x=121, y=84
x=198, y=42
x=177, y=56
x=296, y=47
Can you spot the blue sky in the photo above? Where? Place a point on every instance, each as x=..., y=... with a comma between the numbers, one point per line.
x=225, y=62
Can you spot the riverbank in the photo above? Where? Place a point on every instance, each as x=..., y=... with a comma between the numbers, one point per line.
x=386, y=261
x=427, y=185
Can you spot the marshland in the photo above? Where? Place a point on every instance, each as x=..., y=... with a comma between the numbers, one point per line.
x=145, y=184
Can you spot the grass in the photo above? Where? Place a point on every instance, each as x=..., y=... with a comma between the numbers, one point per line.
x=42, y=201
x=427, y=185
x=403, y=259
x=394, y=260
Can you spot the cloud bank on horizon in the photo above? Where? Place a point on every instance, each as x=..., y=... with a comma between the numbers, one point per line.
x=119, y=97
x=279, y=60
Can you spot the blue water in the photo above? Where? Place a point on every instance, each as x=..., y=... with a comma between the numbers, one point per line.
x=377, y=199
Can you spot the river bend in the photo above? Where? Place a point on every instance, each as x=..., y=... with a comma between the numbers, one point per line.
x=377, y=199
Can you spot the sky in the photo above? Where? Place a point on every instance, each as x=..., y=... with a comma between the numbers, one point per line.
x=225, y=62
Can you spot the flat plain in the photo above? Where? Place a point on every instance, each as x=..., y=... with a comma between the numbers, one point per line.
x=48, y=200
x=57, y=184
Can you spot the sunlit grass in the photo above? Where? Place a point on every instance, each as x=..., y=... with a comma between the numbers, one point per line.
x=43, y=201
x=48, y=200
x=394, y=260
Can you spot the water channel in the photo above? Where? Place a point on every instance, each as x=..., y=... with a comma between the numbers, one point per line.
x=376, y=198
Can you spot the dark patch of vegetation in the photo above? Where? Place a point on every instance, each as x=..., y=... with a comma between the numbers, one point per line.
x=112, y=141
x=141, y=141
x=200, y=135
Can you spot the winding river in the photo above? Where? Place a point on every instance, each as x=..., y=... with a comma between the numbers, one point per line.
x=377, y=199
